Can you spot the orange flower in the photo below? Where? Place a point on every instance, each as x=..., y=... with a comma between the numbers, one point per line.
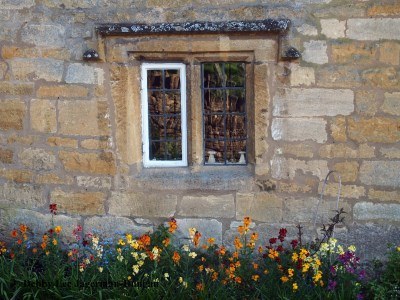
x=255, y=266
x=222, y=250
x=238, y=243
x=23, y=228
x=176, y=257
x=172, y=225
x=199, y=287
x=211, y=241
x=284, y=279
x=201, y=268
x=166, y=242
x=238, y=280
x=57, y=229
x=144, y=241
x=55, y=242
x=19, y=242
x=34, y=250
x=235, y=255
x=43, y=245
x=254, y=236
x=196, y=238
x=241, y=230
x=14, y=233
x=255, y=277
x=214, y=276
x=246, y=222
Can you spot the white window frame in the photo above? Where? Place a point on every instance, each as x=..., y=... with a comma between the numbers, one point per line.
x=147, y=163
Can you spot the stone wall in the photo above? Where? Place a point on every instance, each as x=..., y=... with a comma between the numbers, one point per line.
x=70, y=130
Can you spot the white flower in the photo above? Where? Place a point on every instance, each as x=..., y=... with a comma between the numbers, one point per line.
x=180, y=279
x=100, y=269
x=135, y=255
x=166, y=276
x=135, y=269
x=143, y=255
x=192, y=254
x=192, y=232
x=185, y=248
x=140, y=263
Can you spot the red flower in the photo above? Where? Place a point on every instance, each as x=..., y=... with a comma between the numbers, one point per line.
x=294, y=243
x=282, y=234
x=272, y=240
x=279, y=248
x=53, y=208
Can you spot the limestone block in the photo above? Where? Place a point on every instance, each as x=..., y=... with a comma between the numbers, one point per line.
x=93, y=163
x=37, y=159
x=40, y=223
x=373, y=29
x=62, y=91
x=44, y=35
x=389, y=53
x=283, y=168
x=20, y=4
x=383, y=173
x=94, y=182
x=299, y=102
x=376, y=211
x=341, y=150
x=55, y=141
x=381, y=78
x=384, y=10
x=92, y=144
x=6, y=155
x=348, y=170
x=213, y=206
x=306, y=29
x=392, y=152
x=376, y=130
x=265, y=207
x=353, y=52
x=109, y=227
x=209, y=228
x=299, y=129
x=81, y=73
x=367, y=103
x=52, y=178
x=315, y=52
x=12, y=113
x=333, y=28
x=338, y=76
x=16, y=88
x=21, y=195
x=16, y=175
x=302, y=76
x=43, y=116
x=298, y=150
x=71, y=4
x=140, y=204
x=83, y=117
x=338, y=129
x=346, y=191
x=391, y=104
x=303, y=210
x=40, y=68
x=78, y=203
x=380, y=195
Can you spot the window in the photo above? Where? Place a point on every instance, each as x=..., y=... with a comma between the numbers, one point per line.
x=224, y=112
x=164, y=115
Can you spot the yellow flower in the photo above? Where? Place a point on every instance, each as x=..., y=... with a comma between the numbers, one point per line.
x=295, y=286
x=135, y=269
x=192, y=232
x=121, y=242
x=57, y=229
x=398, y=248
x=295, y=257
x=255, y=277
x=305, y=268
x=180, y=280
x=140, y=263
x=317, y=276
x=284, y=279
x=55, y=242
x=290, y=272
x=352, y=248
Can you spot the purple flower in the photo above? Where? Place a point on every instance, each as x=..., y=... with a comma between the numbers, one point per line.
x=360, y=296
x=362, y=275
x=333, y=270
x=332, y=285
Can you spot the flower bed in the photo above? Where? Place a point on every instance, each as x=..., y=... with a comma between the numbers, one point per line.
x=152, y=266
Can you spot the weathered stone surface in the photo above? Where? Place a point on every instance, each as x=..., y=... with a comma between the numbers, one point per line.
x=384, y=10
x=142, y=204
x=208, y=228
x=338, y=129
x=62, y=91
x=302, y=76
x=381, y=77
x=265, y=207
x=282, y=168
x=373, y=29
x=41, y=68
x=391, y=104
x=366, y=103
x=365, y=235
x=389, y=53
x=20, y=4
x=6, y=156
x=298, y=150
x=109, y=227
x=304, y=210
x=315, y=52
x=346, y=191
x=299, y=102
x=52, y=178
x=37, y=159
x=212, y=206
x=83, y=118
x=341, y=150
x=9, y=52
x=17, y=175
x=378, y=130
x=293, y=187
x=71, y=4
x=393, y=152
x=51, y=36
x=80, y=73
x=12, y=114
x=307, y=29
x=353, y=52
x=92, y=144
x=41, y=223
x=376, y=211
x=379, y=195
x=93, y=163
x=299, y=129
x=43, y=116
x=62, y=142
x=348, y=170
x=338, y=76
x=333, y=28
x=384, y=173
x=82, y=203
x=21, y=195
x=94, y=182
